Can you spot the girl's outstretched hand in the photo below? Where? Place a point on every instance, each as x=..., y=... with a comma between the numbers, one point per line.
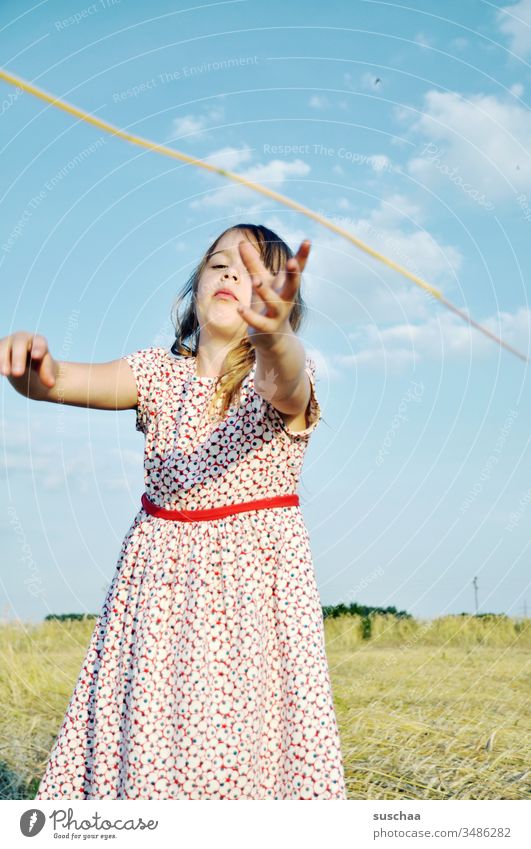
x=275, y=291
x=14, y=350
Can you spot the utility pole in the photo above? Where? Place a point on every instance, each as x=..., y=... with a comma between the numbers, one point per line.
x=475, y=583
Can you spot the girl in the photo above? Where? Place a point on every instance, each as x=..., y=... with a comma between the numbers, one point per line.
x=206, y=675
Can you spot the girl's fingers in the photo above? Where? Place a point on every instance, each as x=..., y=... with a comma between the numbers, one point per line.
x=23, y=344
x=252, y=260
x=269, y=296
x=294, y=267
x=291, y=280
x=19, y=353
x=14, y=351
x=5, y=356
x=38, y=346
x=255, y=319
x=270, y=291
x=259, y=274
x=46, y=371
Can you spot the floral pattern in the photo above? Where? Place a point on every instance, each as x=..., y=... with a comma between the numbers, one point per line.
x=206, y=675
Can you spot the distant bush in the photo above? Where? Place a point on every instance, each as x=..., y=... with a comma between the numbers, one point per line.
x=333, y=610
x=366, y=614
x=77, y=617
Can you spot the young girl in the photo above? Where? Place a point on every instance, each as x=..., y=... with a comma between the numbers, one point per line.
x=206, y=675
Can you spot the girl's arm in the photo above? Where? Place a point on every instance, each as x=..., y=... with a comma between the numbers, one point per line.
x=280, y=375
x=32, y=371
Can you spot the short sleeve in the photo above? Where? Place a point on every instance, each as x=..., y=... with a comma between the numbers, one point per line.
x=313, y=410
x=146, y=365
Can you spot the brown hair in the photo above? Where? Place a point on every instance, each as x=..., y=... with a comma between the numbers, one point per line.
x=239, y=360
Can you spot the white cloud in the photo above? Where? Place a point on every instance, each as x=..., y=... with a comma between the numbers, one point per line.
x=348, y=81
x=229, y=157
x=278, y=171
x=443, y=337
x=232, y=194
x=423, y=40
x=344, y=285
x=187, y=125
x=318, y=101
x=379, y=162
x=514, y=328
x=515, y=22
x=369, y=165
x=459, y=43
x=195, y=124
x=50, y=470
x=480, y=143
x=293, y=236
x=396, y=209
x=325, y=370
x=55, y=460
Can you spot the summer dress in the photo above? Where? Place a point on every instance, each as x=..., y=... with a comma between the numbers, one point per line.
x=206, y=675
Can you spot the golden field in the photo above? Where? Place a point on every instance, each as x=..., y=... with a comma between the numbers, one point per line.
x=426, y=710
x=433, y=710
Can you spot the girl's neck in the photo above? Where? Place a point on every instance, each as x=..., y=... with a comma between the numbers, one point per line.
x=209, y=366
x=210, y=357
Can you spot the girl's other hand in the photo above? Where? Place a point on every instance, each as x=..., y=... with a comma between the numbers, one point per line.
x=14, y=351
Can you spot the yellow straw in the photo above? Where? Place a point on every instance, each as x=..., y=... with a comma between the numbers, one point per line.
x=175, y=154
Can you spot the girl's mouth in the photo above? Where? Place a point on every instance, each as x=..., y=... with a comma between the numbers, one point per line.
x=222, y=294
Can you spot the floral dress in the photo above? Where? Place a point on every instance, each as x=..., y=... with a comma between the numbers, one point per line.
x=206, y=675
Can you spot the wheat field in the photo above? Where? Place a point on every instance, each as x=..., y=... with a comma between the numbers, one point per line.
x=426, y=710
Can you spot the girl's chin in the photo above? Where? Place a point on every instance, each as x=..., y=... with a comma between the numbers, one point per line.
x=223, y=318
x=221, y=300
x=224, y=307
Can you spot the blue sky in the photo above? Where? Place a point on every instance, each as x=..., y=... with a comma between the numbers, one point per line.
x=408, y=127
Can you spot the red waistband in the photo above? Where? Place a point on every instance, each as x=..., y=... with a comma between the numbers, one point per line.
x=218, y=512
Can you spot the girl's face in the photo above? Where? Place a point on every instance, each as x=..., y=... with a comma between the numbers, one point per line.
x=225, y=270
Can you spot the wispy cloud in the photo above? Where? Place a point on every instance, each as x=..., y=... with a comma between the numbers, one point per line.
x=443, y=337
x=194, y=125
x=346, y=285
x=423, y=40
x=318, y=101
x=514, y=21
x=230, y=157
x=35, y=450
x=482, y=139
x=275, y=172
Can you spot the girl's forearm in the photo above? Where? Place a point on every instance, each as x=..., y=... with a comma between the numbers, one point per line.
x=279, y=368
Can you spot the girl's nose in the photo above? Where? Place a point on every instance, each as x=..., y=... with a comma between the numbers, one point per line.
x=230, y=275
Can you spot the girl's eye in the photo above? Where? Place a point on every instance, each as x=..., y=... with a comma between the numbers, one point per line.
x=219, y=266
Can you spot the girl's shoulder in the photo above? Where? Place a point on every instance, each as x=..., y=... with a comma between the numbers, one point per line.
x=156, y=358
x=159, y=374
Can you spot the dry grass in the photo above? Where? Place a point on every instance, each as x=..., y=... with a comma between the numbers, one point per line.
x=433, y=710
x=426, y=710
x=39, y=665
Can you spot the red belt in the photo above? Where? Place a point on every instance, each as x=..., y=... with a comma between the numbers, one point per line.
x=218, y=512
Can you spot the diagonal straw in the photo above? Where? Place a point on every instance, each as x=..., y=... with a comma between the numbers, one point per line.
x=175, y=154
